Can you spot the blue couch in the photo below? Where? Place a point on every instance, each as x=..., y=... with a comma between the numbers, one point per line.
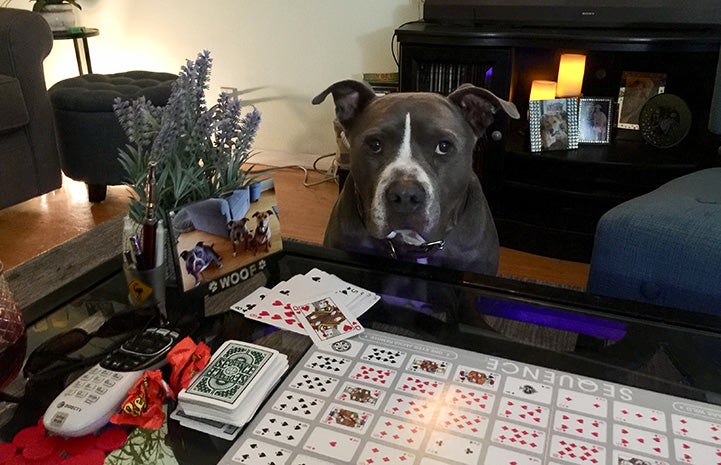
x=664, y=247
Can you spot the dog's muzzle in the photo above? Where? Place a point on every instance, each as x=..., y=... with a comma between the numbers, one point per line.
x=405, y=196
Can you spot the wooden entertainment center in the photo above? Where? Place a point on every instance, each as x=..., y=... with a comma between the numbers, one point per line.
x=548, y=203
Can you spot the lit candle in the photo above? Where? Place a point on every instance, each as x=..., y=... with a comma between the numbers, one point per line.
x=570, y=75
x=543, y=90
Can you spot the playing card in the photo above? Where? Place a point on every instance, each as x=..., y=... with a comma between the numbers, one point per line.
x=254, y=452
x=251, y=301
x=384, y=355
x=339, y=446
x=639, y=440
x=525, y=412
x=699, y=430
x=694, y=453
x=300, y=405
x=348, y=418
x=372, y=374
x=462, y=422
x=274, y=309
x=498, y=456
x=420, y=386
x=465, y=397
x=302, y=459
x=225, y=381
x=478, y=377
x=215, y=428
x=378, y=453
x=639, y=416
x=332, y=364
x=314, y=383
x=580, y=426
x=430, y=366
x=326, y=321
x=449, y=446
x=631, y=458
x=582, y=403
x=399, y=432
x=365, y=396
x=576, y=451
x=412, y=408
x=518, y=437
x=281, y=429
x=529, y=390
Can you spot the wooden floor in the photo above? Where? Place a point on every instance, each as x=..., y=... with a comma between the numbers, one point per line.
x=31, y=228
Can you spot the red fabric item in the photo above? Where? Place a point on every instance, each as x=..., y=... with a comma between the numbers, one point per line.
x=186, y=359
x=78, y=445
x=89, y=457
x=143, y=406
x=112, y=439
x=29, y=435
x=42, y=449
x=7, y=450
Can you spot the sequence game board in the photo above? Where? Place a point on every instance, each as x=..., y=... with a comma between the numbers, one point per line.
x=385, y=399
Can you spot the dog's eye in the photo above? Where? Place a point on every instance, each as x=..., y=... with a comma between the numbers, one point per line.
x=374, y=145
x=443, y=147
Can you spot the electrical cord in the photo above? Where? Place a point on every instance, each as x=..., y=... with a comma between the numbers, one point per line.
x=334, y=177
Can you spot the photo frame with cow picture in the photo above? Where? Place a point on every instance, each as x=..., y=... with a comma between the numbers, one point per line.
x=553, y=124
x=636, y=89
x=219, y=243
x=595, y=117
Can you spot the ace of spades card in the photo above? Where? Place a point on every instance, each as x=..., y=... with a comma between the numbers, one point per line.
x=326, y=322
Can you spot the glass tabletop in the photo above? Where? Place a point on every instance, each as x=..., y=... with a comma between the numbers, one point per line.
x=657, y=349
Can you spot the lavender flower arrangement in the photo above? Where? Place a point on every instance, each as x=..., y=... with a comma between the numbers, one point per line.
x=200, y=151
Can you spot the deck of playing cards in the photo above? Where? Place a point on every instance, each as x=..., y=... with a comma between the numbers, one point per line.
x=232, y=386
x=317, y=303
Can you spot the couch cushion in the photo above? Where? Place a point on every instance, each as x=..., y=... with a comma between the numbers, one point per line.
x=14, y=114
x=96, y=92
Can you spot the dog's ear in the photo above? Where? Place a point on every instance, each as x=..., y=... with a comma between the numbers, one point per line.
x=199, y=244
x=255, y=215
x=350, y=98
x=184, y=254
x=479, y=105
x=269, y=212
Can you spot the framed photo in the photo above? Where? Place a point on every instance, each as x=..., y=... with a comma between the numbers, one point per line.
x=220, y=243
x=594, y=120
x=636, y=89
x=553, y=124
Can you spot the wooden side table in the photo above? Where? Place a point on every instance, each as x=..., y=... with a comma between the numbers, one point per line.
x=79, y=37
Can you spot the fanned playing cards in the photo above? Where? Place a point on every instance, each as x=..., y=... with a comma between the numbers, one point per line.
x=233, y=385
x=317, y=303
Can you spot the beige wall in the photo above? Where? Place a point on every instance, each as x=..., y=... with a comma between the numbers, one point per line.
x=283, y=51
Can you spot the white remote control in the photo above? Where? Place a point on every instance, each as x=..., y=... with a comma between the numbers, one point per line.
x=87, y=404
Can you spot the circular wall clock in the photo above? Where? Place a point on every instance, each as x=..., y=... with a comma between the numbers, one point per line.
x=665, y=120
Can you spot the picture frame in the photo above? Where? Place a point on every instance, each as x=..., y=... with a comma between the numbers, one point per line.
x=636, y=88
x=221, y=262
x=595, y=118
x=553, y=124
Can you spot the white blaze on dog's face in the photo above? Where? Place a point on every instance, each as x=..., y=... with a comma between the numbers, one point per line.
x=400, y=159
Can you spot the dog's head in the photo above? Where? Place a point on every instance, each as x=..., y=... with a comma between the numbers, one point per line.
x=412, y=153
x=554, y=124
x=263, y=217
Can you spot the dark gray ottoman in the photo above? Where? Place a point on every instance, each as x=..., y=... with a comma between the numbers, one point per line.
x=89, y=134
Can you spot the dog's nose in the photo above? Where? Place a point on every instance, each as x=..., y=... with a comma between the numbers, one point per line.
x=405, y=196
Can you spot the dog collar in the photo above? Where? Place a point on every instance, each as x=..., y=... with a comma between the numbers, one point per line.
x=418, y=251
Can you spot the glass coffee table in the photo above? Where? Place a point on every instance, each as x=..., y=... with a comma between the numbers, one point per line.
x=491, y=362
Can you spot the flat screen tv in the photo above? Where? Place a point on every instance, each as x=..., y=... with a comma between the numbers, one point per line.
x=577, y=13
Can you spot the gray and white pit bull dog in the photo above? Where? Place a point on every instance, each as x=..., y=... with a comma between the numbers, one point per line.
x=411, y=192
